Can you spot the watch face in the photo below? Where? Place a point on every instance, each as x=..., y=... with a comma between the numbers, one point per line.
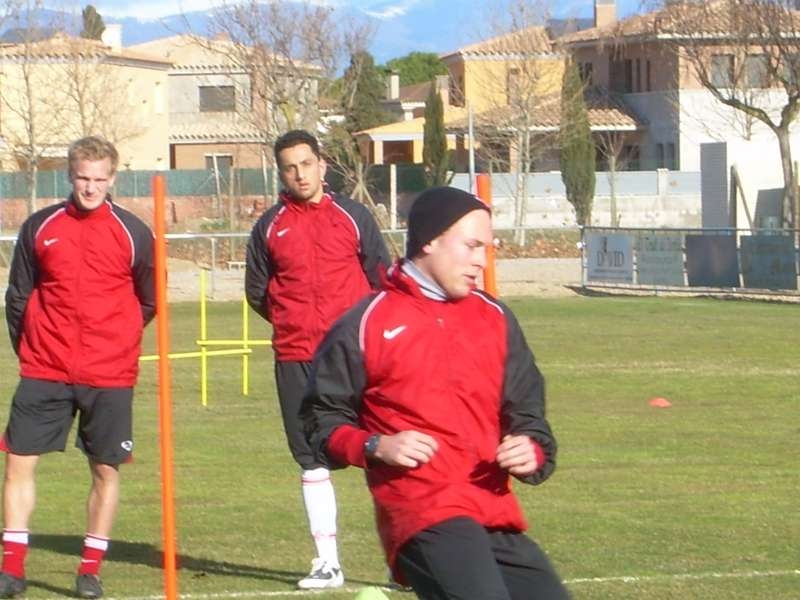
x=371, y=445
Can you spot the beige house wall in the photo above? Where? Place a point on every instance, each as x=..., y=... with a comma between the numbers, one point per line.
x=662, y=60
x=688, y=76
x=122, y=101
x=193, y=156
x=668, y=69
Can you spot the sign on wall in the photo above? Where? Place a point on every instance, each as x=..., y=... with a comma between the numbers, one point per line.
x=768, y=262
x=609, y=257
x=659, y=259
x=711, y=260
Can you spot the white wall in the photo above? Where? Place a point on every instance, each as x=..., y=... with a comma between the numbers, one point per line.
x=644, y=199
x=759, y=166
x=703, y=119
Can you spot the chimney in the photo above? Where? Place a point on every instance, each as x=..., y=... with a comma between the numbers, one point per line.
x=112, y=36
x=393, y=86
x=442, y=84
x=605, y=12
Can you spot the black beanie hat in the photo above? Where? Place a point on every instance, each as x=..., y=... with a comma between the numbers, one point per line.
x=434, y=211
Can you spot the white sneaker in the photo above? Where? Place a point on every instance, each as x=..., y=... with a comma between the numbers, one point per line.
x=322, y=575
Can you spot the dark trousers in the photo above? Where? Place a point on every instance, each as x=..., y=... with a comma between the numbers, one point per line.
x=459, y=559
x=291, y=379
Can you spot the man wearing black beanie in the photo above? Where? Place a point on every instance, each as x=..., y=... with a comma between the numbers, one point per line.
x=434, y=211
x=430, y=386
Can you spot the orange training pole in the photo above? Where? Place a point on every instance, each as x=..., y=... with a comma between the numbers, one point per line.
x=489, y=277
x=164, y=392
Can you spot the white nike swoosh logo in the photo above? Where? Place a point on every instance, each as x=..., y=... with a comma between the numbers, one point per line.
x=50, y=241
x=390, y=334
x=283, y=231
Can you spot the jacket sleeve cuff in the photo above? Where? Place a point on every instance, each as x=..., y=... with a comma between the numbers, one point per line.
x=346, y=446
x=539, y=452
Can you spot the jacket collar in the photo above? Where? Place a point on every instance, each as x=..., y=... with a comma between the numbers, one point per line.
x=101, y=211
x=399, y=280
x=290, y=202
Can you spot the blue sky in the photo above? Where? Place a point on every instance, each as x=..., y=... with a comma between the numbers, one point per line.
x=150, y=9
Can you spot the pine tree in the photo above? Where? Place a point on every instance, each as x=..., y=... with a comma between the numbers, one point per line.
x=364, y=87
x=577, y=148
x=93, y=26
x=417, y=67
x=434, y=150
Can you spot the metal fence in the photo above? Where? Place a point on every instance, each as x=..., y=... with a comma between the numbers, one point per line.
x=645, y=259
x=410, y=179
x=757, y=261
x=203, y=182
x=137, y=184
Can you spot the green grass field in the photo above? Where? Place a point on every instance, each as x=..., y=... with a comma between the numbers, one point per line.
x=695, y=501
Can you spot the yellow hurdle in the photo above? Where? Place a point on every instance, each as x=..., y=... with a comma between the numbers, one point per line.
x=245, y=357
x=243, y=347
x=196, y=354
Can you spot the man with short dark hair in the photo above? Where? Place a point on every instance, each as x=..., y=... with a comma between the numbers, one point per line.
x=430, y=386
x=311, y=256
x=81, y=289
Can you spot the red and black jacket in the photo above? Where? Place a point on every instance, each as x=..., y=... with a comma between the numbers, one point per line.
x=307, y=263
x=81, y=288
x=460, y=371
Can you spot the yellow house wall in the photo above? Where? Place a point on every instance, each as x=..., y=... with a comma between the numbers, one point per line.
x=486, y=79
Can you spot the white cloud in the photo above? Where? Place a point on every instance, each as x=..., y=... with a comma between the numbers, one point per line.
x=389, y=10
x=147, y=10
x=150, y=10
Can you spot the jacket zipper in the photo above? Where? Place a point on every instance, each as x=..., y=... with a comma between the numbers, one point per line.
x=79, y=320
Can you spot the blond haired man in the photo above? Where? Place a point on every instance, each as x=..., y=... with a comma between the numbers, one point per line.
x=80, y=292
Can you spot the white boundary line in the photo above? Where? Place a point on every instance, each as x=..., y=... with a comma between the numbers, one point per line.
x=682, y=577
x=575, y=581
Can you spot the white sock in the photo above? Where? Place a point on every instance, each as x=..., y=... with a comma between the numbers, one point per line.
x=320, y=502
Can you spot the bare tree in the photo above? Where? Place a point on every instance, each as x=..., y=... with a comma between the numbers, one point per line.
x=343, y=154
x=96, y=93
x=341, y=149
x=57, y=88
x=285, y=48
x=609, y=145
x=746, y=54
x=517, y=96
x=31, y=119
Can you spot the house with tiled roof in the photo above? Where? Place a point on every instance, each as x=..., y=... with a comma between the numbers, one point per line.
x=478, y=77
x=604, y=111
x=484, y=74
x=408, y=102
x=485, y=79
x=54, y=90
x=213, y=118
x=402, y=140
x=640, y=61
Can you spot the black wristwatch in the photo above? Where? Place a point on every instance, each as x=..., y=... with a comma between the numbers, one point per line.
x=371, y=446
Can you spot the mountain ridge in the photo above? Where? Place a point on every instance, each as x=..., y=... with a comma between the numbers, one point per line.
x=415, y=26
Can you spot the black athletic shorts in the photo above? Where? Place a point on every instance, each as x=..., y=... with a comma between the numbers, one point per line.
x=42, y=413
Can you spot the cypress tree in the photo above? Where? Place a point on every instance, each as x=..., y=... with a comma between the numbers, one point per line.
x=364, y=92
x=577, y=148
x=434, y=149
x=93, y=26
